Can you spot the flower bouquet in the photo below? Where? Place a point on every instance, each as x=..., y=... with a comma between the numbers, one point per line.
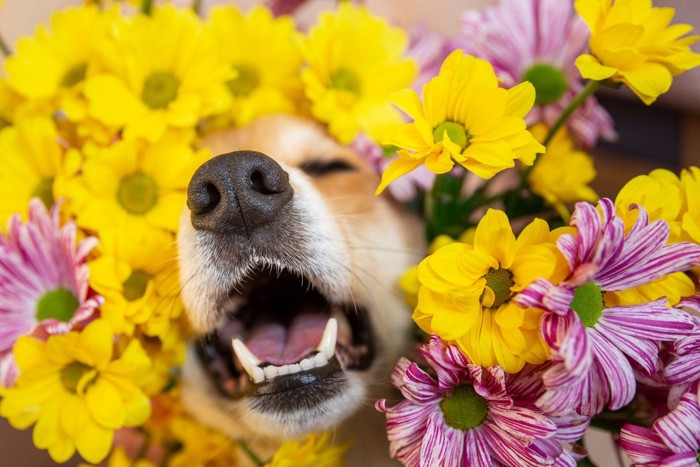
x=541, y=309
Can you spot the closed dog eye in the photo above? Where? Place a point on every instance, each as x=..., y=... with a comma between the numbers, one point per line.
x=319, y=167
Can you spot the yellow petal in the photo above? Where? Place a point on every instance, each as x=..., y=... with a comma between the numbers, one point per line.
x=97, y=339
x=105, y=404
x=494, y=236
x=648, y=81
x=521, y=98
x=591, y=68
x=400, y=166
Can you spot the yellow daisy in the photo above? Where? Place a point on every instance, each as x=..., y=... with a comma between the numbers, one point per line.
x=466, y=292
x=355, y=61
x=53, y=64
x=129, y=270
x=465, y=118
x=690, y=215
x=662, y=195
x=632, y=43
x=75, y=393
x=160, y=71
x=315, y=450
x=265, y=54
x=32, y=164
x=201, y=445
x=130, y=183
x=562, y=174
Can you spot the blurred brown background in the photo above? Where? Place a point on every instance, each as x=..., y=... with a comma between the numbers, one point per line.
x=666, y=135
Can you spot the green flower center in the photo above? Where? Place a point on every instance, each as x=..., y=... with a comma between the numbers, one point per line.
x=549, y=82
x=247, y=80
x=160, y=89
x=588, y=303
x=71, y=375
x=135, y=285
x=44, y=191
x=499, y=281
x=455, y=131
x=464, y=408
x=74, y=75
x=57, y=304
x=137, y=193
x=345, y=80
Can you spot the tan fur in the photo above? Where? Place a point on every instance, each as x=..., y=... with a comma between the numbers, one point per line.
x=372, y=241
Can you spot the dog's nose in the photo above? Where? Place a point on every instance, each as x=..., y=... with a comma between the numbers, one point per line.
x=237, y=192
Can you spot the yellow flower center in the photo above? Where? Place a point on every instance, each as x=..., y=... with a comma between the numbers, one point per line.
x=455, y=131
x=588, y=303
x=464, y=408
x=74, y=75
x=44, y=191
x=71, y=375
x=137, y=193
x=500, y=282
x=59, y=304
x=549, y=82
x=346, y=80
x=247, y=80
x=160, y=89
x=135, y=285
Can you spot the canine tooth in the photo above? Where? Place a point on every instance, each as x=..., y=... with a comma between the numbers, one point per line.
x=258, y=375
x=282, y=370
x=249, y=362
x=320, y=360
x=330, y=334
x=270, y=371
x=306, y=364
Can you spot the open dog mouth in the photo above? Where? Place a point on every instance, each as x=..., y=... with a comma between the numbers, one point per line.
x=279, y=335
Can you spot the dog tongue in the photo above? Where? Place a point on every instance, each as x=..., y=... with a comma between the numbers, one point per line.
x=275, y=343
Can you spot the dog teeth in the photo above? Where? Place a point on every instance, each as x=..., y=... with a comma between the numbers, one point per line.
x=257, y=374
x=249, y=362
x=330, y=335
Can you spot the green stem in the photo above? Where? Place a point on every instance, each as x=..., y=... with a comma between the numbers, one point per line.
x=251, y=455
x=197, y=7
x=590, y=88
x=4, y=48
x=147, y=7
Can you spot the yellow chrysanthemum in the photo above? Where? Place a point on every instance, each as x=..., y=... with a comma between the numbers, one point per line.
x=167, y=352
x=32, y=164
x=52, y=64
x=9, y=101
x=201, y=446
x=465, y=118
x=661, y=195
x=690, y=215
x=75, y=393
x=466, y=292
x=160, y=71
x=132, y=266
x=562, y=174
x=265, y=54
x=632, y=42
x=119, y=458
x=128, y=184
x=315, y=450
x=355, y=61
x=409, y=282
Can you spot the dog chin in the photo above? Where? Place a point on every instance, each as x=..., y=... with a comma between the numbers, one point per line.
x=289, y=270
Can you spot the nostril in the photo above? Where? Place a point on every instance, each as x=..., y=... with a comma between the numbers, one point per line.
x=205, y=199
x=257, y=183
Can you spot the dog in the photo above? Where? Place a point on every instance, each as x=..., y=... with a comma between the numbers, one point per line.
x=289, y=273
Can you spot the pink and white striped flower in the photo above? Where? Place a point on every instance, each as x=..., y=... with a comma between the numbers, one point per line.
x=593, y=345
x=43, y=281
x=684, y=367
x=471, y=415
x=672, y=440
x=538, y=41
